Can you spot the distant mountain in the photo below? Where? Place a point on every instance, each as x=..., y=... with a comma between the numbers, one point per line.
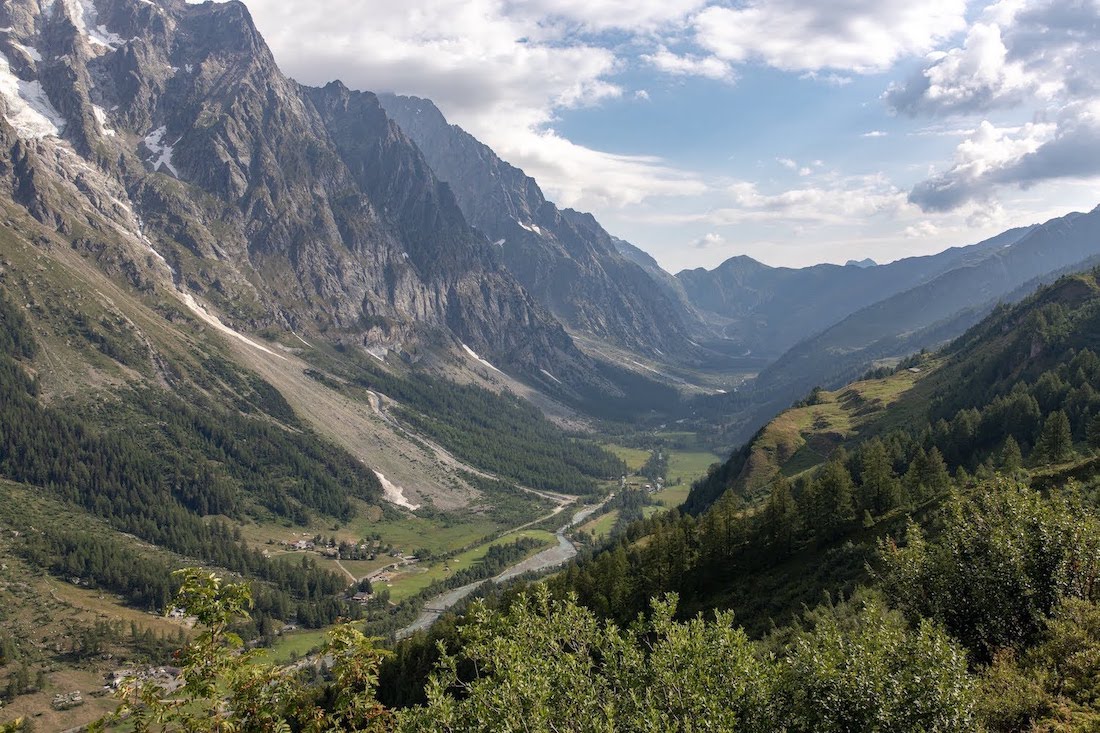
x=1046, y=326
x=868, y=262
x=672, y=287
x=564, y=258
x=925, y=316
x=770, y=309
x=899, y=324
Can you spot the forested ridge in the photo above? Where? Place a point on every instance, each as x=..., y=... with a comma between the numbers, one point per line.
x=1037, y=414
x=992, y=625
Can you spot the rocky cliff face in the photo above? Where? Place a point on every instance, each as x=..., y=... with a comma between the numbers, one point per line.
x=165, y=139
x=564, y=258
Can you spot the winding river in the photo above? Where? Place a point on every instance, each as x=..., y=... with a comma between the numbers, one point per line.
x=548, y=558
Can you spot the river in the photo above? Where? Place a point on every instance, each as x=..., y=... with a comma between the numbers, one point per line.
x=548, y=558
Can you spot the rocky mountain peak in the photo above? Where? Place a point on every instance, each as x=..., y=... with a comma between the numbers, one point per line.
x=563, y=257
x=169, y=131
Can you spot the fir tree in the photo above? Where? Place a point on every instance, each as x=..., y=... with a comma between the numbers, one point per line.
x=1012, y=459
x=781, y=515
x=880, y=489
x=1056, y=441
x=834, y=492
x=1093, y=431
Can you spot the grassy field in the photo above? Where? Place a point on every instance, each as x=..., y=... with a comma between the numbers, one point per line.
x=406, y=533
x=294, y=644
x=419, y=577
x=688, y=466
x=673, y=496
x=45, y=615
x=601, y=526
x=803, y=437
x=685, y=464
x=634, y=458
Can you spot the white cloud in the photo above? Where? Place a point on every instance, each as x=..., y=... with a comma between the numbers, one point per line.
x=875, y=133
x=710, y=67
x=980, y=160
x=832, y=79
x=995, y=157
x=838, y=201
x=710, y=239
x=977, y=76
x=577, y=176
x=860, y=36
x=1020, y=51
x=602, y=15
x=1037, y=54
x=642, y=94
x=921, y=230
x=501, y=70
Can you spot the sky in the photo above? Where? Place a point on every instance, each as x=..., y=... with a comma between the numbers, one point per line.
x=792, y=131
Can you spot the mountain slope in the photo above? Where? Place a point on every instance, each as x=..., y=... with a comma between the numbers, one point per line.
x=564, y=258
x=935, y=311
x=153, y=186
x=810, y=504
x=1053, y=328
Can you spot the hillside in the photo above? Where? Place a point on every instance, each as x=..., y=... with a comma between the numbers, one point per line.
x=246, y=327
x=153, y=442
x=927, y=315
x=797, y=510
x=956, y=494
x=291, y=372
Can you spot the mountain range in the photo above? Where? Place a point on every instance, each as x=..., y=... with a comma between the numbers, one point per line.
x=188, y=161
x=241, y=316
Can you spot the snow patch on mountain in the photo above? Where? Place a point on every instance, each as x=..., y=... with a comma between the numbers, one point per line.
x=473, y=353
x=86, y=19
x=550, y=375
x=162, y=154
x=216, y=322
x=30, y=111
x=32, y=53
x=100, y=115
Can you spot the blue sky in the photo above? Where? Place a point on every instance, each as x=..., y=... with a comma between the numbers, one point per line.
x=790, y=131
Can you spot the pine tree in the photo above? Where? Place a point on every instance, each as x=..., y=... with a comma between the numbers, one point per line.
x=781, y=515
x=1093, y=431
x=962, y=477
x=1056, y=441
x=880, y=489
x=1012, y=459
x=915, y=490
x=834, y=491
x=936, y=476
